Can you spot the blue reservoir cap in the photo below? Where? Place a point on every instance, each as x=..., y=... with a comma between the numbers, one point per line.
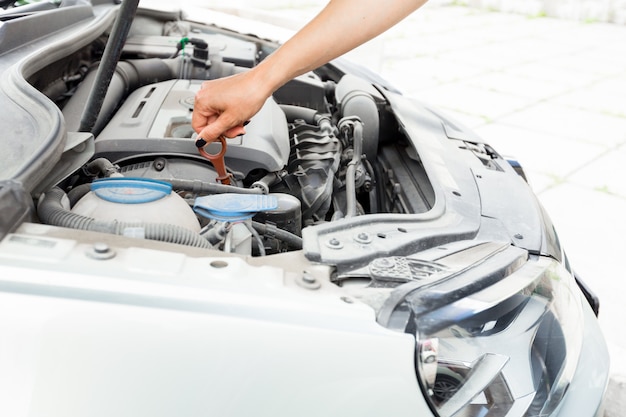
x=231, y=207
x=130, y=190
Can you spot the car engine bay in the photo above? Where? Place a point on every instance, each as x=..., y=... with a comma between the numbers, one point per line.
x=325, y=147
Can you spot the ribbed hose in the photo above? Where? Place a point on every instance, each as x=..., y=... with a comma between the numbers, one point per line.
x=51, y=211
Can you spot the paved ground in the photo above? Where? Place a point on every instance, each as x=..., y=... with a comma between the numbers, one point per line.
x=550, y=92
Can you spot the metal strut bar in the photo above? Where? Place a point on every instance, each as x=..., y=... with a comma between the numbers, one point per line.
x=110, y=57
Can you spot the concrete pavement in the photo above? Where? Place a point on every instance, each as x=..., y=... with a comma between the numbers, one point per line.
x=551, y=93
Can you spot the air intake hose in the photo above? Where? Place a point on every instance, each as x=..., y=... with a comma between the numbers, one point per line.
x=357, y=98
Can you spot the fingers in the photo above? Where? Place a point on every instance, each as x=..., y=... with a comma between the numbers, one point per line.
x=212, y=131
x=205, y=113
x=213, y=127
x=235, y=131
x=224, y=106
x=201, y=118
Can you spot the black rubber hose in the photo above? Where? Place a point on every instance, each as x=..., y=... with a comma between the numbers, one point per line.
x=289, y=238
x=310, y=116
x=51, y=211
x=205, y=187
x=111, y=56
x=140, y=72
x=102, y=166
x=78, y=192
x=296, y=112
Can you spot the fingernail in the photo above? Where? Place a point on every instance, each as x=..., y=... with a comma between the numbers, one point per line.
x=200, y=143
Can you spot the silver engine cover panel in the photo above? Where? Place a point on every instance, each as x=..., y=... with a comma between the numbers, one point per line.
x=156, y=120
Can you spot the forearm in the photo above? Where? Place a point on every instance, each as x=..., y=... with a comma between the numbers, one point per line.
x=222, y=106
x=341, y=26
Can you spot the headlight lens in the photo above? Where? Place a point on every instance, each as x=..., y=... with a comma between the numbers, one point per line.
x=508, y=349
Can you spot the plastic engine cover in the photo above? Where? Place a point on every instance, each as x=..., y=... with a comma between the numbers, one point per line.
x=156, y=119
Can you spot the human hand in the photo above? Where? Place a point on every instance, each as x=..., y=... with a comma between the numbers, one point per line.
x=223, y=106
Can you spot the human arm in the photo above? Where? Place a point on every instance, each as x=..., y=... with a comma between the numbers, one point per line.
x=222, y=106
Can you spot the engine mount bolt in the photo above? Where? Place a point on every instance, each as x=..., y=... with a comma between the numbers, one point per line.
x=334, y=243
x=100, y=251
x=363, y=238
x=383, y=263
x=308, y=278
x=101, y=248
x=308, y=281
x=159, y=164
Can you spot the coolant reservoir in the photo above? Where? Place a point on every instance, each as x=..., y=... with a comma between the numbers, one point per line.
x=136, y=200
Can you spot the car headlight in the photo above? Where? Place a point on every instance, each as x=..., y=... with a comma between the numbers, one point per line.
x=504, y=345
